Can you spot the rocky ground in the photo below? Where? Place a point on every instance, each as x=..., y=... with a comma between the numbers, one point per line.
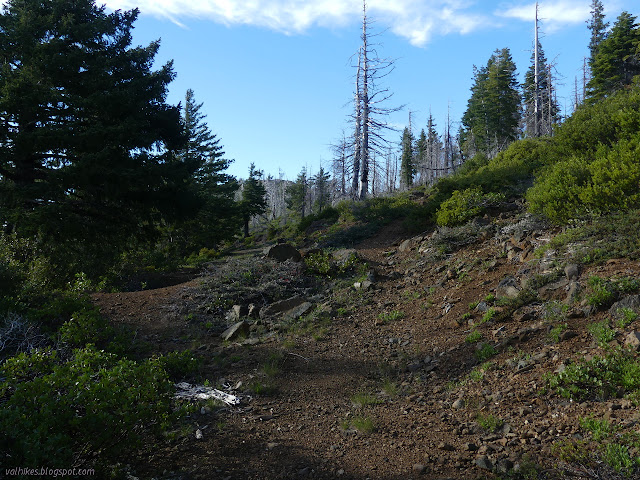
x=427, y=362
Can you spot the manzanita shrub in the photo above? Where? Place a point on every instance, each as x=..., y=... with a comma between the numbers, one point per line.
x=94, y=405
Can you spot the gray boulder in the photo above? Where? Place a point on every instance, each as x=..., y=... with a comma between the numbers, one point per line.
x=282, y=307
x=237, y=330
x=631, y=302
x=283, y=252
x=508, y=287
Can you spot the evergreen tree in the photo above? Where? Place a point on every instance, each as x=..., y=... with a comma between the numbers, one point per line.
x=617, y=60
x=297, y=193
x=214, y=190
x=321, y=185
x=86, y=136
x=492, y=117
x=407, y=165
x=598, y=28
x=254, y=197
x=542, y=122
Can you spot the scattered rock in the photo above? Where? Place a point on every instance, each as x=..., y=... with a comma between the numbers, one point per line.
x=567, y=335
x=419, y=468
x=299, y=311
x=406, y=245
x=199, y=435
x=458, y=404
x=237, y=330
x=484, y=462
x=633, y=340
x=554, y=290
x=631, y=302
x=573, y=291
x=343, y=256
x=504, y=465
x=237, y=312
x=366, y=285
x=572, y=271
x=508, y=287
x=281, y=307
x=283, y=252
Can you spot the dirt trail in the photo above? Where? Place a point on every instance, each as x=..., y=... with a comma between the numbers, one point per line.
x=371, y=393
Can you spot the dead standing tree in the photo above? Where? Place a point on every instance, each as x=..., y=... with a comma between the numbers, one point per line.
x=370, y=113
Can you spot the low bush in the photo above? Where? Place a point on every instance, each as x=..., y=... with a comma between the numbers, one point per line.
x=465, y=205
x=61, y=413
x=329, y=214
x=179, y=365
x=615, y=235
x=595, y=169
x=616, y=374
x=582, y=185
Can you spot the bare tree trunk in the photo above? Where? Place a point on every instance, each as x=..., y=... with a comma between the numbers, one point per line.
x=357, y=155
x=364, y=179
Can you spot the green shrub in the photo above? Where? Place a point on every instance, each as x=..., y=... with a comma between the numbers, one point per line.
x=66, y=413
x=474, y=337
x=615, y=235
x=320, y=263
x=323, y=263
x=86, y=326
x=465, y=205
x=602, y=332
x=617, y=373
x=628, y=316
x=600, y=429
x=24, y=270
x=330, y=214
x=603, y=292
x=596, y=169
x=179, y=365
x=489, y=422
x=556, y=332
x=386, y=317
x=485, y=351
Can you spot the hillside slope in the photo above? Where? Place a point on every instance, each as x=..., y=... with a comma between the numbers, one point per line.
x=435, y=365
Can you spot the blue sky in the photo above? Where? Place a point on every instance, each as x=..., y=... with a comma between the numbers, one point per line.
x=275, y=75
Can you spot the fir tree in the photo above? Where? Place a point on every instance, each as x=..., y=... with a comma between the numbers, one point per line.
x=491, y=120
x=297, y=194
x=617, y=60
x=214, y=190
x=407, y=165
x=254, y=198
x=86, y=137
x=321, y=187
x=598, y=28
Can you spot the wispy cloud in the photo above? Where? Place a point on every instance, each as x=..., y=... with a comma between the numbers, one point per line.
x=554, y=15
x=417, y=20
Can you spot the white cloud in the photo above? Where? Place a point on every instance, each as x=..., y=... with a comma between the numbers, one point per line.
x=417, y=20
x=553, y=15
